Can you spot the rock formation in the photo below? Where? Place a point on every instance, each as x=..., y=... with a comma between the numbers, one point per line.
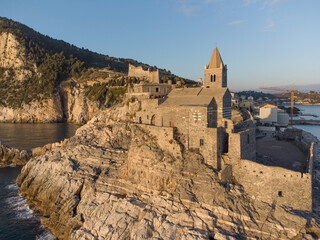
x=12, y=156
x=69, y=105
x=116, y=180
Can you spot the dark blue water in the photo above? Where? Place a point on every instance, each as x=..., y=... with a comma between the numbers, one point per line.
x=314, y=110
x=17, y=220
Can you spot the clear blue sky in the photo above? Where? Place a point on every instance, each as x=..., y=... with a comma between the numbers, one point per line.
x=263, y=42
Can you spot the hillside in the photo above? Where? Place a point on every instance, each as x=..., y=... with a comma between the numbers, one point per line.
x=47, y=80
x=32, y=65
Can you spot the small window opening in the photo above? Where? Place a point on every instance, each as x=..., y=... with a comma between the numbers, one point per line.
x=280, y=194
x=225, y=124
x=201, y=142
x=157, y=89
x=211, y=78
x=147, y=116
x=214, y=77
x=148, y=89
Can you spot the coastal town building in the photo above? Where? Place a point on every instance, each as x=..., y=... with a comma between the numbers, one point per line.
x=273, y=116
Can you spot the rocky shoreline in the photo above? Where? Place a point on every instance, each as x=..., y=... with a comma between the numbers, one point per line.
x=116, y=180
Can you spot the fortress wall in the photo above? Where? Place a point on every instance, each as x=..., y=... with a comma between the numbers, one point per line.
x=242, y=145
x=275, y=185
x=165, y=138
x=139, y=72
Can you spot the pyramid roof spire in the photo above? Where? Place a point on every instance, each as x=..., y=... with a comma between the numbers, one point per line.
x=215, y=61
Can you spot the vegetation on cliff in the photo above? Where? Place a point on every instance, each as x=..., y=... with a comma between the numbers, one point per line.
x=46, y=62
x=104, y=95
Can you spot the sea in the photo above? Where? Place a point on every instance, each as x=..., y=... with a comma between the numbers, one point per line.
x=17, y=220
x=310, y=110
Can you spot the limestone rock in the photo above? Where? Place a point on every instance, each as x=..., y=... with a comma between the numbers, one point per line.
x=12, y=156
x=117, y=180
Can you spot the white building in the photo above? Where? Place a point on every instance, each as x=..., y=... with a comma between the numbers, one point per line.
x=272, y=115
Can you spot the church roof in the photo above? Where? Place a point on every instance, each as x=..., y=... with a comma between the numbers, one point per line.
x=215, y=61
x=190, y=97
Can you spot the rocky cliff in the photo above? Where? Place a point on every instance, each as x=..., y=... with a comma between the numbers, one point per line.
x=118, y=180
x=68, y=105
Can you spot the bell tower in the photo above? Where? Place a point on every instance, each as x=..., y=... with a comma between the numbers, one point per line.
x=215, y=74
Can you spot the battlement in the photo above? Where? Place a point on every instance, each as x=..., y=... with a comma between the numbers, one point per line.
x=144, y=73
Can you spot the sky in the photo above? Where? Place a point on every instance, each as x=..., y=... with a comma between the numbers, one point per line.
x=263, y=42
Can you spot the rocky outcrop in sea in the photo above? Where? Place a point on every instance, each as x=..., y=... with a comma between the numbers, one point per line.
x=116, y=180
x=12, y=156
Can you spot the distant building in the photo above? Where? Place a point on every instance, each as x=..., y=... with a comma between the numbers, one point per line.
x=272, y=115
x=145, y=74
x=250, y=98
x=234, y=99
x=246, y=105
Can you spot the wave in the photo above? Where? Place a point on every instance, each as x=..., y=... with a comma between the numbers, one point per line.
x=10, y=165
x=12, y=186
x=46, y=235
x=19, y=207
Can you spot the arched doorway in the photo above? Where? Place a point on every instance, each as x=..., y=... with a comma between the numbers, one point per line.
x=153, y=120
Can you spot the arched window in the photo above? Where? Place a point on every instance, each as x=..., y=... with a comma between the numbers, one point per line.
x=213, y=78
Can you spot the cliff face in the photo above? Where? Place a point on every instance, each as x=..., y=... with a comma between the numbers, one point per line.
x=118, y=180
x=68, y=105
x=13, y=57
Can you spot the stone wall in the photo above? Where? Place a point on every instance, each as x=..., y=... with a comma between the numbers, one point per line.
x=164, y=137
x=227, y=105
x=144, y=74
x=275, y=185
x=191, y=124
x=242, y=145
x=149, y=90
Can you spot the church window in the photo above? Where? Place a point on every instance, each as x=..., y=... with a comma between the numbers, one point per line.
x=214, y=77
x=148, y=89
x=157, y=89
x=201, y=142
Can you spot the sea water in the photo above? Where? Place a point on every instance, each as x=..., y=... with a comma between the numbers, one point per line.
x=17, y=220
x=310, y=110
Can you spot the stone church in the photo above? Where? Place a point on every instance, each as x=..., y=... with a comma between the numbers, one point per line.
x=201, y=117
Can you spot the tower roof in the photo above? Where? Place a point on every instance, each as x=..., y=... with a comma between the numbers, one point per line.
x=215, y=61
